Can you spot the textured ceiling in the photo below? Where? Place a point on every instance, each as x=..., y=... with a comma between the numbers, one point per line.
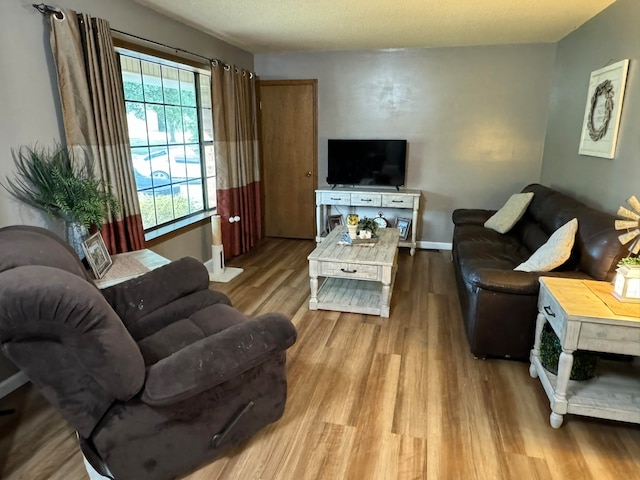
x=262, y=26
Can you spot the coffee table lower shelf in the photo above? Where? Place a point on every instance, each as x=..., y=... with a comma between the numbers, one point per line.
x=354, y=296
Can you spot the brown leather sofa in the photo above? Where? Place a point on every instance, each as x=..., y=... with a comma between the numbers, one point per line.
x=499, y=305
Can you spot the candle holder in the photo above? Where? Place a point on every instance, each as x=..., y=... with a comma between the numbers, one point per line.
x=352, y=225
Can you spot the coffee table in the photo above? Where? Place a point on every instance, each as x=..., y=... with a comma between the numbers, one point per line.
x=356, y=278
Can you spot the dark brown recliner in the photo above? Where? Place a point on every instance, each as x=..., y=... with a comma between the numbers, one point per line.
x=158, y=374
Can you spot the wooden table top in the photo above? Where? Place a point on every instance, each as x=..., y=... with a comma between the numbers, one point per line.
x=591, y=300
x=382, y=253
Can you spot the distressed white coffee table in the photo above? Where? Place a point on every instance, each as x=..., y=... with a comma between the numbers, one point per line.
x=357, y=279
x=585, y=316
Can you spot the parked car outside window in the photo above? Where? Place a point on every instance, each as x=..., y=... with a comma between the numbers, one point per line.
x=165, y=165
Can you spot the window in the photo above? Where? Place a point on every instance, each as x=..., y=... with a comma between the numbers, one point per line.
x=170, y=124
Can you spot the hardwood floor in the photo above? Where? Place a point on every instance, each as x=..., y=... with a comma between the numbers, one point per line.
x=370, y=398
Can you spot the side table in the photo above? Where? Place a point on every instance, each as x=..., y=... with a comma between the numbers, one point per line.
x=584, y=315
x=130, y=265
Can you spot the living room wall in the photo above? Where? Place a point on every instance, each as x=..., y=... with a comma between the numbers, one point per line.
x=611, y=36
x=30, y=109
x=475, y=117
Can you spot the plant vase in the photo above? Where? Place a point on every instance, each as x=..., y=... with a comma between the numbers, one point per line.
x=75, y=233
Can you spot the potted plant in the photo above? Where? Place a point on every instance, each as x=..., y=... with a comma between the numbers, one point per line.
x=626, y=284
x=630, y=262
x=368, y=224
x=52, y=180
x=585, y=363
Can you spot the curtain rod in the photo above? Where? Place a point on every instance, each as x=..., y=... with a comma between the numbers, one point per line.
x=50, y=10
x=182, y=50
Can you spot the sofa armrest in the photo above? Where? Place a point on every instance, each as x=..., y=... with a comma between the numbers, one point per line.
x=505, y=281
x=515, y=282
x=470, y=216
x=216, y=359
x=140, y=296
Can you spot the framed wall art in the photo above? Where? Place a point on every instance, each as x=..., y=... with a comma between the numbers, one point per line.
x=97, y=255
x=603, y=110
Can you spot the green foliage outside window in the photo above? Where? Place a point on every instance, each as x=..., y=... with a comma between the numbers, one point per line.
x=171, y=120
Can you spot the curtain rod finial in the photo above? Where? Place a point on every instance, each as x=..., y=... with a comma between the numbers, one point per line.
x=48, y=10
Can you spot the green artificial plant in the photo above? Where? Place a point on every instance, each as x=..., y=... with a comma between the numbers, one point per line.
x=584, y=365
x=52, y=180
x=629, y=262
x=367, y=224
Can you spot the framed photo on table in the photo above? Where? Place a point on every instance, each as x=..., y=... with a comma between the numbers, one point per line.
x=97, y=255
x=603, y=110
x=404, y=225
x=334, y=221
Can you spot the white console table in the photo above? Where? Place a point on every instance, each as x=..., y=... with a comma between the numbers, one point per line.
x=367, y=197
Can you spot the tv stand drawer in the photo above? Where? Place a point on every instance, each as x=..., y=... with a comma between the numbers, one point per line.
x=397, y=201
x=336, y=198
x=366, y=199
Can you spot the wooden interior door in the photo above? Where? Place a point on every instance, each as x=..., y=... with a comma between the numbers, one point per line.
x=288, y=126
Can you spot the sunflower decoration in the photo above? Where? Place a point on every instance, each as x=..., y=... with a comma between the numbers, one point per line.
x=631, y=224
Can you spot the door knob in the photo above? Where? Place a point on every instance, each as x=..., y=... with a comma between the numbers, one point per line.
x=308, y=174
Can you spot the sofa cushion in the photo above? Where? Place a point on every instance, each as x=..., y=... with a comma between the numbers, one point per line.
x=505, y=218
x=554, y=252
x=477, y=234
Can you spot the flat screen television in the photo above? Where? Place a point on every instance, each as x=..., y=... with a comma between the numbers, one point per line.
x=367, y=162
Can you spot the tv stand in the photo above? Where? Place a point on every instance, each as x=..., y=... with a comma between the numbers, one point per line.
x=384, y=199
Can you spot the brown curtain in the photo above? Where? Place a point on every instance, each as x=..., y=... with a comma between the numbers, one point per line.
x=94, y=117
x=237, y=159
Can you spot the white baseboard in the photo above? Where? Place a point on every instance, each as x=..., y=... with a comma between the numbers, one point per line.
x=12, y=383
x=434, y=245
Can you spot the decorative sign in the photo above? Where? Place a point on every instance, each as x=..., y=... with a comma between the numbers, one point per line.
x=603, y=110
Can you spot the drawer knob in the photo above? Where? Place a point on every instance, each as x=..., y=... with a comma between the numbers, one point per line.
x=344, y=270
x=548, y=311
x=365, y=199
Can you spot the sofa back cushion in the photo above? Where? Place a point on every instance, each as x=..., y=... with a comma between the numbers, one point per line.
x=555, y=252
x=596, y=250
x=504, y=219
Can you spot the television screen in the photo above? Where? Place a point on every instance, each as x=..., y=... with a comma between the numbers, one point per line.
x=367, y=162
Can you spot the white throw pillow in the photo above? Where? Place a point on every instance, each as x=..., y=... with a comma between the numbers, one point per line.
x=555, y=252
x=504, y=219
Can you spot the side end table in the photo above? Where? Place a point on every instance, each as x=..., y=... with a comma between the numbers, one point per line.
x=584, y=315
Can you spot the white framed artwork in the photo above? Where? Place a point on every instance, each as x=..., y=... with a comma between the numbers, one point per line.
x=603, y=110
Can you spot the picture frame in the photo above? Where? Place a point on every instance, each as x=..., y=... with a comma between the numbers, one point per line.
x=603, y=110
x=97, y=255
x=334, y=221
x=404, y=225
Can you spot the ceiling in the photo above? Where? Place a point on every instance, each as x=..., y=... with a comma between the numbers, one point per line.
x=268, y=26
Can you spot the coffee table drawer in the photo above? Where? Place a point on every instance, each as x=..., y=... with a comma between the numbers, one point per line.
x=349, y=270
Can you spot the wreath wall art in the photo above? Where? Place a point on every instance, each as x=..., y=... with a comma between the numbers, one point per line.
x=603, y=110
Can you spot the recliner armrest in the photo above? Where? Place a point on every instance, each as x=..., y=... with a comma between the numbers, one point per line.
x=216, y=359
x=471, y=216
x=140, y=296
